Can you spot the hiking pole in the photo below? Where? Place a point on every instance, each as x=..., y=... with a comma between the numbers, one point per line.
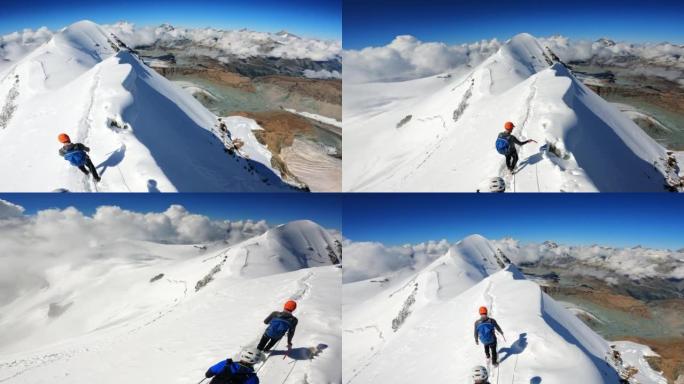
x=288, y=352
x=200, y=382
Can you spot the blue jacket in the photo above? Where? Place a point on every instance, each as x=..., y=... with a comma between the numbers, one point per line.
x=230, y=372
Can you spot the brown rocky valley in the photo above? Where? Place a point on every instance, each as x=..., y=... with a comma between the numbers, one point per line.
x=669, y=349
x=280, y=129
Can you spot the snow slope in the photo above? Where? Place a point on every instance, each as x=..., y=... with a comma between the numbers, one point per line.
x=107, y=322
x=438, y=134
x=145, y=133
x=417, y=326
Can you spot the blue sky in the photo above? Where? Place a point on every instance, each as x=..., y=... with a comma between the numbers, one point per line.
x=325, y=209
x=653, y=220
x=376, y=23
x=310, y=18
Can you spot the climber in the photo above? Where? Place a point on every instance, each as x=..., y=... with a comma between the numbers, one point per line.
x=75, y=153
x=230, y=372
x=505, y=145
x=484, y=332
x=279, y=323
x=479, y=375
x=225, y=134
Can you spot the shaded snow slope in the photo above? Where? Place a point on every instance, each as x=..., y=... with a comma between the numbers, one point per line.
x=289, y=247
x=438, y=134
x=120, y=320
x=418, y=327
x=145, y=133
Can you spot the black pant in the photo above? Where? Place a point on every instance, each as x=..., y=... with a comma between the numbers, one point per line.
x=266, y=343
x=91, y=168
x=511, y=159
x=491, y=348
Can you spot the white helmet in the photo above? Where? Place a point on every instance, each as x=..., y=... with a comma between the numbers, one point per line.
x=479, y=374
x=497, y=184
x=249, y=356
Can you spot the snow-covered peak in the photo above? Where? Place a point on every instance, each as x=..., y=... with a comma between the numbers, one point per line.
x=85, y=41
x=84, y=33
x=606, y=42
x=519, y=58
x=285, y=248
x=465, y=264
x=286, y=34
x=305, y=235
x=523, y=47
x=479, y=252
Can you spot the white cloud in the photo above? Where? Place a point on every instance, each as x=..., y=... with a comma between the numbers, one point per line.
x=322, y=74
x=601, y=262
x=31, y=244
x=607, y=51
x=365, y=260
x=207, y=41
x=16, y=45
x=407, y=58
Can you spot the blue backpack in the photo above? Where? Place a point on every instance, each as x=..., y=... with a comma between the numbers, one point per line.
x=502, y=145
x=77, y=158
x=277, y=328
x=230, y=372
x=485, y=331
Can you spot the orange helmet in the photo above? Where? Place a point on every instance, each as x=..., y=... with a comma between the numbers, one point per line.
x=483, y=310
x=290, y=306
x=508, y=126
x=63, y=138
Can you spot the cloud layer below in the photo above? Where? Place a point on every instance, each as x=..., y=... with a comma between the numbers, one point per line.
x=242, y=43
x=31, y=244
x=407, y=58
x=366, y=260
x=217, y=43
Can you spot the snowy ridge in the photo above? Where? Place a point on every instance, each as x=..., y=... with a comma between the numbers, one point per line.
x=442, y=131
x=140, y=312
x=145, y=133
x=424, y=323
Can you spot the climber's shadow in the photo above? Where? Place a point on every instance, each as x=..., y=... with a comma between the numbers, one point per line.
x=516, y=348
x=302, y=353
